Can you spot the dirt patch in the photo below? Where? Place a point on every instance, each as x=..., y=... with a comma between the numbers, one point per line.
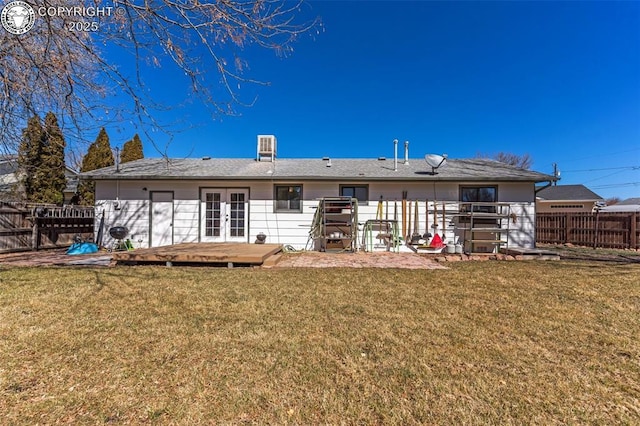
x=312, y=259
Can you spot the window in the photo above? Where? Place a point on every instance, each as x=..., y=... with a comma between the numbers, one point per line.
x=360, y=192
x=479, y=194
x=288, y=198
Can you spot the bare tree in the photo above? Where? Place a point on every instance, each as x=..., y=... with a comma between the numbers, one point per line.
x=613, y=200
x=521, y=161
x=60, y=64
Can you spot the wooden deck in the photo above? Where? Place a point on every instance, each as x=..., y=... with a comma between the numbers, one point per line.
x=228, y=254
x=532, y=253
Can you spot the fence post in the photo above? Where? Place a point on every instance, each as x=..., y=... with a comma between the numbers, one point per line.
x=34, y=235
x=595, y=232
x=633, y=240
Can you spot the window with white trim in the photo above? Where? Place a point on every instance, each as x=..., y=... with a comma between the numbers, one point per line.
x=360, y=192
x=288, y=198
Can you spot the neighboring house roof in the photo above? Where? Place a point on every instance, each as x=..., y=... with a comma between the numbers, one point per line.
x=315, y=169
x=72, y=181
x=628, y=205
x=629, y=201
x=568, y=193
x=9, y=167
x=621, y=208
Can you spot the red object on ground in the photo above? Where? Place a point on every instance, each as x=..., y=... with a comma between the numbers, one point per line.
x=436, y=242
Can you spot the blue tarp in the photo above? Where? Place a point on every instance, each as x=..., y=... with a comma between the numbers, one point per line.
x=83, y=248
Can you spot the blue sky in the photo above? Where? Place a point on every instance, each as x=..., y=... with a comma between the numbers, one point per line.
x=557, y=80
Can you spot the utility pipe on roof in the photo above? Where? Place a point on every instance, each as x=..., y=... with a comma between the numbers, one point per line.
x=406, y=153
x=395, y=155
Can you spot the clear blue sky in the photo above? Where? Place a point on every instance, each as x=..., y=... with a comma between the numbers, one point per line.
x=557, y=80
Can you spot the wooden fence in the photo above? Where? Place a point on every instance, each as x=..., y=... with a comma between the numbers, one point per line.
x=36, y=226
x=606, y=230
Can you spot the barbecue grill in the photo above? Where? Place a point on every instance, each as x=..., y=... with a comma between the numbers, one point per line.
x=119, y=233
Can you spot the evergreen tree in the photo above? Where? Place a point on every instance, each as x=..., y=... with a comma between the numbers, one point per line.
x=98, y=156
x=30, y=156
x=51, y=173
x=132, y=150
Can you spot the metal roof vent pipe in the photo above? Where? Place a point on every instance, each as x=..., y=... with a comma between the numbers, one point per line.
x=406, y=153
x=117, y=159
x=395, y=155
x=329, y=163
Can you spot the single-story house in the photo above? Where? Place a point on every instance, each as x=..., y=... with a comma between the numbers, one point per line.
x=567, y=199
x=11, y=188
x=169, y=201
x=629, y=205
x=8, y=178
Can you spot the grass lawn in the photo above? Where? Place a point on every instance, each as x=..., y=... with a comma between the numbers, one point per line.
x=482, y=342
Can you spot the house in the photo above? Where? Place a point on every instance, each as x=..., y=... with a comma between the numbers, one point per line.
x=629, y=205
x=567, y=199
x=171, y=201
x=10, y=187
x=8, y=178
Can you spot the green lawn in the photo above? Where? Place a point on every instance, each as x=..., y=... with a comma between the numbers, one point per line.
x=482, y=342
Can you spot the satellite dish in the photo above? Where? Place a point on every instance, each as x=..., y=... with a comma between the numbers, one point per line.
x=435, y=161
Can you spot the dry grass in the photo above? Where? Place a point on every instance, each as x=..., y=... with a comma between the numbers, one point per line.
x=489, y=342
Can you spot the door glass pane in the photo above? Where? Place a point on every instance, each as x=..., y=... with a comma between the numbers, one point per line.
x=236, y=214
x=212, y=215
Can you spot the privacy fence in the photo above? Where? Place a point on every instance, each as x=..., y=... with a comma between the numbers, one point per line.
x=606, y=230
x=36, y=226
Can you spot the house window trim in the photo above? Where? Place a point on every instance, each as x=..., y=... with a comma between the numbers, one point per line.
x=275, y=198
x=353, y=185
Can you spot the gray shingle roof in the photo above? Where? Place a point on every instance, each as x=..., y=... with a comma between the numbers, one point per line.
x=569, y=193
x=314, y=169
x=630, y=202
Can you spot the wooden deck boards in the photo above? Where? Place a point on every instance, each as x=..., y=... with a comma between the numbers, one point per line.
x=215, y=253
x=532, y=253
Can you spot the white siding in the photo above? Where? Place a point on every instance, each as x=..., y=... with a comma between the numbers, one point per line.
x=293, y=228
x=185, y=221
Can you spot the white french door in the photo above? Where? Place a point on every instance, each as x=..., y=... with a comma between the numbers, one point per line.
x=224, y=215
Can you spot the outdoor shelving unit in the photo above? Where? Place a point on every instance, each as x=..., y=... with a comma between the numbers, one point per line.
x=338, y=220
x=486, y=226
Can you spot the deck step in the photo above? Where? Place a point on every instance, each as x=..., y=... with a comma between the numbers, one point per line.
x=272, y=260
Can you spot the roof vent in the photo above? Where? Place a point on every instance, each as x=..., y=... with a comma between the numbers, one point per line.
x=206, y=158
x=329, y=162
x=382, y=158
x=266, y=148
